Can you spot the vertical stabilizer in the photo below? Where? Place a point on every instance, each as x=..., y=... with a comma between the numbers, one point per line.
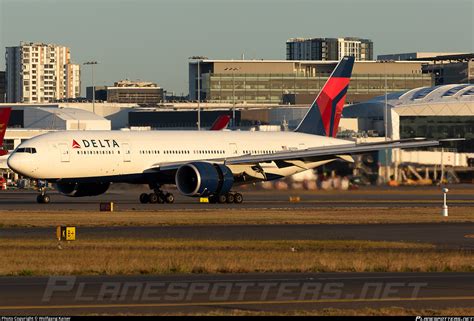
x=324, y=114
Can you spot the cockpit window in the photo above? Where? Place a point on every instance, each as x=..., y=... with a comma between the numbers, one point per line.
x=30, y=150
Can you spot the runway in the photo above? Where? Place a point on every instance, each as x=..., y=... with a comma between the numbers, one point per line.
x=127, y=200
x=444, y=235
x=450, y=235
x=273, y=292
x=66, y=295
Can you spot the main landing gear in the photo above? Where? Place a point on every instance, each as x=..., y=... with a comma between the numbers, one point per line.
x=161, y=197
x=158, y=196
x=43, y=198
x=227, y=198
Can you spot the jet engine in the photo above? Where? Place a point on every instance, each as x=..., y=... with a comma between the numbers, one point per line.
x=82, y=189
x=204, y=179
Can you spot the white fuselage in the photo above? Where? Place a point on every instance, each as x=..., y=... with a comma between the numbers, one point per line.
x=92, y=154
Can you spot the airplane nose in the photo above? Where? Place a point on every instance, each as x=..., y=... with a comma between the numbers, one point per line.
x=17, y=163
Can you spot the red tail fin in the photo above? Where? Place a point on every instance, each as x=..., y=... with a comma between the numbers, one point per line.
x=221, y=122
x=4, y=118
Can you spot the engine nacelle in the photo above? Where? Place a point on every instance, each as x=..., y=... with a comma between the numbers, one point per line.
x=82, y=189
x=204, y=179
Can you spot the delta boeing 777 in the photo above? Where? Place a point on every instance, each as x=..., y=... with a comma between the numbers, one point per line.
x=199, y=163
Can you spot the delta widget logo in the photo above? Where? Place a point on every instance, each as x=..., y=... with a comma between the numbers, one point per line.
x=75, y=144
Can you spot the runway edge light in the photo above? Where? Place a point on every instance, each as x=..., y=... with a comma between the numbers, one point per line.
x=295, y=199
x=444, y=211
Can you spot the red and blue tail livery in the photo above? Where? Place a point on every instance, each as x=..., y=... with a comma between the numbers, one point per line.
x=324, y=114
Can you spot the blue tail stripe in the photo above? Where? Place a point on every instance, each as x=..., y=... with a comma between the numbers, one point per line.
x=344, y=68
x=313, y=123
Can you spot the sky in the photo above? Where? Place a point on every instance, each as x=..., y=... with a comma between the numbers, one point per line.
x=151, y=40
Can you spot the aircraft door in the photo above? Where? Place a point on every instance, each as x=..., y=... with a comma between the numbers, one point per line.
x=126, y=152
x=64, y=151
x=233, y=149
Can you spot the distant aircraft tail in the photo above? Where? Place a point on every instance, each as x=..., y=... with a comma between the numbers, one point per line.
x=325, y=112
x=221, y=122
x=4, y=119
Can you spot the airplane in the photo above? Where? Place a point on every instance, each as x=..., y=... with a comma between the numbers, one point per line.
x=200, y=163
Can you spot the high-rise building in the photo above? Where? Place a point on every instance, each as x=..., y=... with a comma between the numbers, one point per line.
x=329, y=48
x=38, y=72
x=73, y=83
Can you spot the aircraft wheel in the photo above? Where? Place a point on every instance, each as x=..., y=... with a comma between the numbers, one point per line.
x=43, y=199
x=230, y=198
x=221, y=199
x=169, y=198
x=161, y=198
x=153, y=198
x=238, y=198
x=144, y=198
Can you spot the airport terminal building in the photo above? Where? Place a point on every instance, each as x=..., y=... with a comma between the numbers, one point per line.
x=437, y=112
x=269, y=81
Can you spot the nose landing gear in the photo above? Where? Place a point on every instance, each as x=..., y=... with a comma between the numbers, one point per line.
x=43, y=198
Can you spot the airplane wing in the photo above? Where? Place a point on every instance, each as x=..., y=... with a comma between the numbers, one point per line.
x=310, y=154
